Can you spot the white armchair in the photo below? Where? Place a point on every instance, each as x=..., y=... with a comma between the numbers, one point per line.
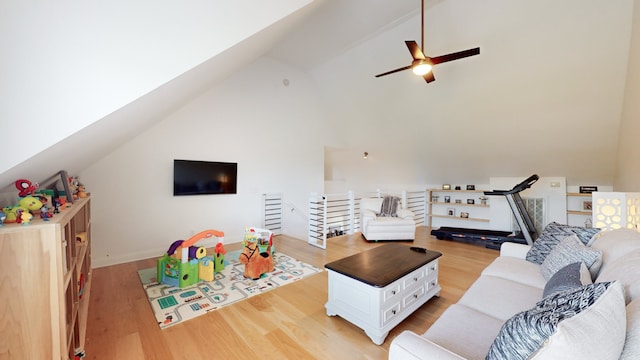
x=374, y=227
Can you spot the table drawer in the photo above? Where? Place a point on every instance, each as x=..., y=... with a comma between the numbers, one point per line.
x=411, y=280
x=414, y=296
x=391, y=292
x=390, y=313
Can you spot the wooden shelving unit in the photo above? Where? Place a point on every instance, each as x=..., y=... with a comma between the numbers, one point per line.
x=45, y=274
x=462, y=195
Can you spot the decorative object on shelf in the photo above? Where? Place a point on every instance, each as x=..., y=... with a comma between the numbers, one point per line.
x=471, y=187
x=588, y=224
x=365, y=155
x=447, y=199
x=483, y=200
x=587, y=205
x=588, y=189
x=434, y=198
x=25, y=187
x=458, y=187
x=616, y=210
x=446, y=187
x=451, y=212
x=458, y=201
x=470, y=201
x=464, y=215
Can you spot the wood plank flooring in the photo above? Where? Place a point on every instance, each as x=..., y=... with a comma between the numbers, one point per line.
x=286, y=323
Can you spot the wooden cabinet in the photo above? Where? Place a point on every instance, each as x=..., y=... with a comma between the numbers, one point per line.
x=45, y=273
x=439, y=207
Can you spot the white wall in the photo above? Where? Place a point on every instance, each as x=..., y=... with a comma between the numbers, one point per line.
x=544, y=96
x=275, y=134
x=70, y=63
x=628, y=171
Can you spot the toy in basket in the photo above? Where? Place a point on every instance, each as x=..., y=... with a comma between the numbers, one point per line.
x=191, y=264
x=257, y=252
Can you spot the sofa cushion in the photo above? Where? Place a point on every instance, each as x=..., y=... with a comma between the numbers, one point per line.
x=625, y=269
x=631, y=349
x=581, y=323
x=569, y=277
x=517, y=270
x=551, y=236
x=615, y=244
x=570, y=250
x=467, y=332
x=500, y=298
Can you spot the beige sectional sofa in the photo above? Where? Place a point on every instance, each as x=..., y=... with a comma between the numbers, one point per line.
x=505, y=309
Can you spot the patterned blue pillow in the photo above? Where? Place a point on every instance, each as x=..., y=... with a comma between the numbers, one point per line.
x=569, y=277
x=552, y=235
x=525, y=332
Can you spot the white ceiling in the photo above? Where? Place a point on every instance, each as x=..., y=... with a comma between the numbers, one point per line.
x=330, y=27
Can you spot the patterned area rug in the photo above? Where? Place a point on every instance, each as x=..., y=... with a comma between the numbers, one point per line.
x=172, y=305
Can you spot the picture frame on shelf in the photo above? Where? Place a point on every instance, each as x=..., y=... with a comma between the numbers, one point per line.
x=587, y=205
x=451, y=212
x=464, y=215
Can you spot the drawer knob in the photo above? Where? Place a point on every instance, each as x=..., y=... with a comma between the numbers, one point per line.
x=415, y=279
x=393, y=312
x=415, y=296
x=393, y=292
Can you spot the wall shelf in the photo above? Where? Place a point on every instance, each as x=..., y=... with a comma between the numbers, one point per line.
x=438, y=209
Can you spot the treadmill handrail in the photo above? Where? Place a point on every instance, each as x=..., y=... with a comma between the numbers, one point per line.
x=516, y=189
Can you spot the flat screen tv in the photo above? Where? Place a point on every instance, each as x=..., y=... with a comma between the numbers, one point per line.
x=192, y=177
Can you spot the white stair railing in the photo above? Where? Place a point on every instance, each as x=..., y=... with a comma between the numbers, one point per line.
x=339, y=214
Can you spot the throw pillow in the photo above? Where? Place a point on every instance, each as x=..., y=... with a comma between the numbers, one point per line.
x=577, y=321
x=569, y=277
x=389, y=206
x=568, y=251
x=551, y=236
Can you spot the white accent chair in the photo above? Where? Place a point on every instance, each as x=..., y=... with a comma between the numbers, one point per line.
x=374, y=227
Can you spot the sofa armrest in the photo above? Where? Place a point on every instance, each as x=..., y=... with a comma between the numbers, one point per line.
x=409, y=345
x=514, y=250
x=404, y=214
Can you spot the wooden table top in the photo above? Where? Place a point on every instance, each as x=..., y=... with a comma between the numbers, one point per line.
x=383, y=265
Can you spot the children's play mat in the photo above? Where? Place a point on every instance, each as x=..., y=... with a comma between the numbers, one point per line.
x=172, y=305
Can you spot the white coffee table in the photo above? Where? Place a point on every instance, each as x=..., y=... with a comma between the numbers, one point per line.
x=377, y=289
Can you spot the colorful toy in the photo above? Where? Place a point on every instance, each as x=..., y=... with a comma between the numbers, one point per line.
x=81, y=191
x=219, y=257
x=25, y=187
x=11, y=214
x=185, y=264
x=257, y=252
x=2, y=217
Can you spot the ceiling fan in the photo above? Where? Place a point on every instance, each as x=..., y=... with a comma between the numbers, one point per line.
x=422, y=65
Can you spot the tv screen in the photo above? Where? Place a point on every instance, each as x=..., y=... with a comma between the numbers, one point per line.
x=191, y=177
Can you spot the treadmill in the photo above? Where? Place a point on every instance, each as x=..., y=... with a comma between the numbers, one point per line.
x=492, y=239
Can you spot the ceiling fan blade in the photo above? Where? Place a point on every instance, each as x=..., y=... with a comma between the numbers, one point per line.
x=415, y=51
x=455, y=56
x=394, y=71
x=428, y=77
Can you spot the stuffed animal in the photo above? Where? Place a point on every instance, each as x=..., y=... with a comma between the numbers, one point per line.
x=255, y=262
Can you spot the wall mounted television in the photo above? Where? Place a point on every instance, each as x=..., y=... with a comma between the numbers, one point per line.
x=193, y=177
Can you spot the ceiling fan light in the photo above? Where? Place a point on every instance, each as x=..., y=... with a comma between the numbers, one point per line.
x=421, y=69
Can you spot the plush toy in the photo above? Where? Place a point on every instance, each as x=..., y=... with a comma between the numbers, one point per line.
x=81, y=191
x=255, y=262
x=2, y=217
x=25, y=187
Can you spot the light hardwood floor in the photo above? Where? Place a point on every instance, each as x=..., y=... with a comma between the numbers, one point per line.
x=286, y=323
